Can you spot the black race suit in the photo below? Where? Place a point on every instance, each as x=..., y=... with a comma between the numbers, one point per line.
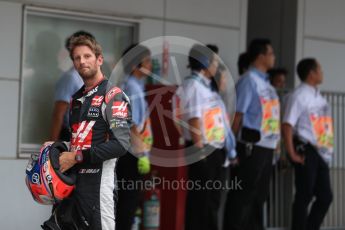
x=100, y=124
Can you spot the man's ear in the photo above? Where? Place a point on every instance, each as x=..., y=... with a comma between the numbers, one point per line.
x=311, y=74
x=100, y=60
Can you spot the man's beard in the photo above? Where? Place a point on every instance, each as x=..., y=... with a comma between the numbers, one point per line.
x=88, y=74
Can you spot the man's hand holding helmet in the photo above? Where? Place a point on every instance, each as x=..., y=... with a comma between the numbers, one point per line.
x=67, y=160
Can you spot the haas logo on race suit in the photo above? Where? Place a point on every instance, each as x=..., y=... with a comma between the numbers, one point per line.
x=120, y=109
x=92, y=91
x=112, y=93
x=82, y=135
x=97, y=101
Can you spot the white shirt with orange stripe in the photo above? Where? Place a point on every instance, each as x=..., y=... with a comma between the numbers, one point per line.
x=308, y=112
x=197, y=100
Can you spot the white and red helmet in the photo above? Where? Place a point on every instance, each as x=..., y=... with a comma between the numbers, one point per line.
x=43, y=177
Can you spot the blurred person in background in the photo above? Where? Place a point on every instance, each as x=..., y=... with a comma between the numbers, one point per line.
x=308, y=137
x=208, y=137
x=277, y=77
x=257, y=126
x=134, y=165
x=243, y=63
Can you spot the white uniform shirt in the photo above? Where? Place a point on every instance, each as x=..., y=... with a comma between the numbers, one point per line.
x=197, y=100
x=309, y=115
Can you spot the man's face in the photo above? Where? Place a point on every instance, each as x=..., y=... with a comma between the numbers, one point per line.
x=279, y=81
x=318, y=74
x=223, y=81
x=85, y=62
x=212, y=68
x=269, y=57
x=146, y=66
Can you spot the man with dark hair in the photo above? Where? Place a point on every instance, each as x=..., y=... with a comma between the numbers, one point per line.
x=77, y=34
x=259, y=47
x=137, y=65
x=257, y=124
x=100, y=135
x=213, y=47
x=308, y=137
x=133, y=56
x=305, y=66
x=277, y=77
x=69, y=83
x=207, y=137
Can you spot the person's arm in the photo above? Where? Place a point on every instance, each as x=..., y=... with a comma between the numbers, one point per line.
x=245, y=94
x=292, y=111
x=138, y=148
x=288, y=140
x=195, y=132
x=237, y=123
x=138, y=111
x=176, y=110
x=192, y=109
x=118, y=136
x=60, y=108
x=66, y=86
x=119, y=131
x=136, y=141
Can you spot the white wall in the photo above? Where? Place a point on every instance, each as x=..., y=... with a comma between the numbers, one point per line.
x=18, y=210
x=321, y=34
x=225, y=28
x=9, y=76
x=222, y=22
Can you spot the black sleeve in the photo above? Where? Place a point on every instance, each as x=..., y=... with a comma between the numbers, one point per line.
x=117, y=114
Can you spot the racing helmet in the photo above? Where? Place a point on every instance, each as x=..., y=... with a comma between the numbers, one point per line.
x=43, y=177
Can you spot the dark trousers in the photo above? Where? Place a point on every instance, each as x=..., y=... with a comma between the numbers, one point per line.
x=311, y=180
x=203, y=201
x=243, y=208
x=128, y=196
